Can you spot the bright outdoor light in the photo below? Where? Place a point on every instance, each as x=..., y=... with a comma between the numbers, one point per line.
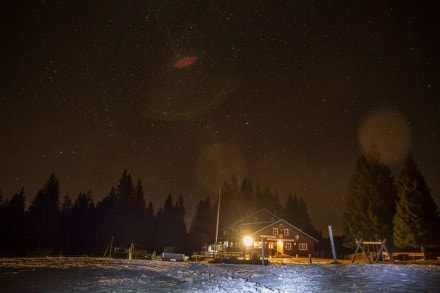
x=247, y=240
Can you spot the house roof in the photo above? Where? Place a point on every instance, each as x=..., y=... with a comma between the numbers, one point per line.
x=287, y=223
x=256, y=227
x=249, y=219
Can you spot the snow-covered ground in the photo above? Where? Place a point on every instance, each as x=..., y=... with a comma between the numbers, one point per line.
x=111, y=275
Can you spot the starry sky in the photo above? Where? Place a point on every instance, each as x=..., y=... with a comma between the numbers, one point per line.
x=287, y=93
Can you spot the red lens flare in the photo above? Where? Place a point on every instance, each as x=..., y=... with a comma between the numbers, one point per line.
x=185, y=61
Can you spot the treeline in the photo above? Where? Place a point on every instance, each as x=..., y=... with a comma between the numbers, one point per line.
x=379, y=207
x=55, y=226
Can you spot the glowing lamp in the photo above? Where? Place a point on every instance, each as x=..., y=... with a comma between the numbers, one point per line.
x=248, y=241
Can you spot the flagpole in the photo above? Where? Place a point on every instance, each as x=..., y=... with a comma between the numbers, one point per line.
x=218, y=220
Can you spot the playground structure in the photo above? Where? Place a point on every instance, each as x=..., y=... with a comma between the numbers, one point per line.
x=376, y=249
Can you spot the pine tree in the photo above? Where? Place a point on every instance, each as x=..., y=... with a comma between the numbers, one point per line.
x=106, y=219
x=295, y=212
x=3, y=227
x=227, y=199
x=246, y=198
x=131, y=211
x=164, y=226
x=140, y=221
x=416, y=222
x=260, y=202
x=203, y=226
x=65, y=232
x=370, y=201
x=82, y=224
x=43, y=219
x=149, y=227
x=290, y=210
x=269, y=200
x=15, y=215
x=179, y=226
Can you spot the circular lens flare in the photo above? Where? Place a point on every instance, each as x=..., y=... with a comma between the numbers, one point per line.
x=389, y=132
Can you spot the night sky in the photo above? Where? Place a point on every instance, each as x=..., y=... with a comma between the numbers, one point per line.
x=185, y=94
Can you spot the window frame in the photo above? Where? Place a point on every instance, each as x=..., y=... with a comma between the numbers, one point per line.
x=303, y=246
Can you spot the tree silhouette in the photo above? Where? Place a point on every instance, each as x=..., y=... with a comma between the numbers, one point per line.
x=82, y=224
x=170, y=227
x=149, y=227
x=416, y=222
x=106, y=219
x=65, y=231
x=370, y=201
x=164, y=227
x=179, y=226
x=202, y=229
x=296, y=212
x=3, y=226
x=15, y=216
x=43, y=221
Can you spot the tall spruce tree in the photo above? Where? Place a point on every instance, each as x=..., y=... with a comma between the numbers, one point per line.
x=106, y=219
x=65, y=232
x=3, y=226
x=228, y=203
x=15, y=216
x=43, y=219
x=416, y=222
x=82, y=224
x=149, y=227
x=295, y=212
x=164, y=225
x=203, y=226
x=131, y=211
x=179, y=226
x=140, y=220
x=370, y=201
x=270, y=201
x=246, y=199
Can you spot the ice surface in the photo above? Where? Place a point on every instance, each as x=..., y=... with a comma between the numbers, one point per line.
x=112, y=275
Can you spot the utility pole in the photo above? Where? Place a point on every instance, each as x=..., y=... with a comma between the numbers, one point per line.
x=218, y=220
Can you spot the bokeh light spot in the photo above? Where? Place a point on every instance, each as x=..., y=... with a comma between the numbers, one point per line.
x=389, y=131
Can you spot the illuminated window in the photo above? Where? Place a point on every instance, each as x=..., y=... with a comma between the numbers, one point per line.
x=302, y=246
x=286, y=232
x=288, y=246
x=275, y=231
x=271, y=245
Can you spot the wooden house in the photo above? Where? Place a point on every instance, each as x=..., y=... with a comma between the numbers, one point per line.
x=279, y=237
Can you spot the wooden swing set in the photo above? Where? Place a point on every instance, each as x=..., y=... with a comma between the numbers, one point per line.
x=372, y=248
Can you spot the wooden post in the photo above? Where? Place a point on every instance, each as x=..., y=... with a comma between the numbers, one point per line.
x=262, y=251
x=217, y=224
x=330, y=234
